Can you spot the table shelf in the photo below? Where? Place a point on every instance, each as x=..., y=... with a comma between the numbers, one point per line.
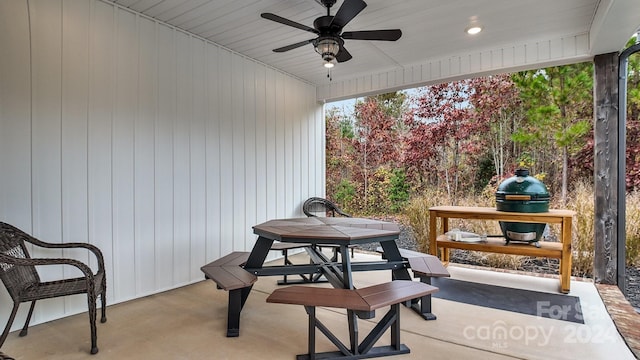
x=547, y=249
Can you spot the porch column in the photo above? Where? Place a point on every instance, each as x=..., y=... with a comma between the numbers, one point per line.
x=606, y=162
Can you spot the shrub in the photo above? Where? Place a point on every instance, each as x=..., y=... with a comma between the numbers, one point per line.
x=345, y=195
x=398, y=191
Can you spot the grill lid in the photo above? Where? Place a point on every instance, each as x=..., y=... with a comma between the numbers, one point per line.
x=522, y=187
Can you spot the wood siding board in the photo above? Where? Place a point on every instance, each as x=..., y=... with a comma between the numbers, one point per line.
x=261, y=145
x=164, y=181
x=270, y=178
x=213, y=181
x=226, y=153
x=46, y=139
x=280, y=147
x=181, y=159
x=75, y=55
x=99, y=138
x=144, y=157
x=197, y=161
x=125, y=108
x=15, y=116
x=237, y=167
x=250, y=175
x=297, y=150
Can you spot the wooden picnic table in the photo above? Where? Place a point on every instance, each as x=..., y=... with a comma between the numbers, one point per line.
x=317, y=231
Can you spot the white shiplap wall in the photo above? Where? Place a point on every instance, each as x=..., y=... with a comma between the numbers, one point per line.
x=155, y=145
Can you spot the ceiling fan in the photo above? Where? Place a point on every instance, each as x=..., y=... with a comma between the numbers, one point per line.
x=330, y=40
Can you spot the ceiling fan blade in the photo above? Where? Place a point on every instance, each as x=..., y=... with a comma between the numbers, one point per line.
x=343, y=55
x=293, y=46
x=348, y=10
x=281, y=20
x=384, y=35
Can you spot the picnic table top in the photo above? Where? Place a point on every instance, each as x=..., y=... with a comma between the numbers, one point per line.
x=328, y=230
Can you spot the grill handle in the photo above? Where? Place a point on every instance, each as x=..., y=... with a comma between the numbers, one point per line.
x=517, y=197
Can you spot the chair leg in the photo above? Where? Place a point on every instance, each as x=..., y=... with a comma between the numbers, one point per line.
x=5, y=333
x=92, y=322
x=25, y=328
x=103, y=298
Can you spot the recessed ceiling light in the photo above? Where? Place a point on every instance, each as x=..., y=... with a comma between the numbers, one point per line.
x=472, y=30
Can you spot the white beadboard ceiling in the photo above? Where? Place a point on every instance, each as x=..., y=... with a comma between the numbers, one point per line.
x=431, y=29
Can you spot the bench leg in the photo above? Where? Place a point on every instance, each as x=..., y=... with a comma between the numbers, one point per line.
x=424, y=308
x=237, y=299
x=311, y=310
x=233, y=313
x=365, y=349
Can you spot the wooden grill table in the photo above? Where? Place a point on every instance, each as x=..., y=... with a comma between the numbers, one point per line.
x=318, y=231
x=559, y=250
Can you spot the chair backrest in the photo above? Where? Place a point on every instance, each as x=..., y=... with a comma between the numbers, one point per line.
x=319, y=205
x=12, y=247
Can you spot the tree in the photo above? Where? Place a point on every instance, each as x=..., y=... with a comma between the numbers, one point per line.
x=497, y=104
x=583, y=160
x=443, y=122
x=559, y=107
x=338, y=135
x=376, y=140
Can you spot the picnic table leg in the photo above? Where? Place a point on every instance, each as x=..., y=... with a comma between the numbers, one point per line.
x=347, y=278
x=353, y=331
x=392, y=253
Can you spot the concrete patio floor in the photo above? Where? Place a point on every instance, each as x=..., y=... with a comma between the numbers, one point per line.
x=190, y=323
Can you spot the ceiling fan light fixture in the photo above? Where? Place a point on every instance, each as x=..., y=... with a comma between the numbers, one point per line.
x=328, y=48
x=473, y=29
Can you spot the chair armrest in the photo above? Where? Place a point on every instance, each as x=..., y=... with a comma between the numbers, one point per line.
x=94, y=249
x=342, y=212
x=86, y=270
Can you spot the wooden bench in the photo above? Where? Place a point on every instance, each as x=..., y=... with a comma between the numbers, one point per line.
x=228, y=274
x=423, y=266
x=362, y=300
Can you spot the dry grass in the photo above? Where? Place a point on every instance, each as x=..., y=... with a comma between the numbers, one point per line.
x=633, y=229
x=582, y=244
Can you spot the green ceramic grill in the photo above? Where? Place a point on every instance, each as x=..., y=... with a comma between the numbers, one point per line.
x=526, y=194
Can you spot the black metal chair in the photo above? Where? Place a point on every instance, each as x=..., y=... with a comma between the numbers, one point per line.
x=315, y=205
x=20, y=277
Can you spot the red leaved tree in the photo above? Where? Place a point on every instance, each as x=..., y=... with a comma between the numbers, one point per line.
x=375, y=142
x=443, y=134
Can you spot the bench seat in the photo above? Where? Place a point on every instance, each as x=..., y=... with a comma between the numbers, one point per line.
x=364, y=300
x=227, y=271
x=238, y=258
x=423, y=266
